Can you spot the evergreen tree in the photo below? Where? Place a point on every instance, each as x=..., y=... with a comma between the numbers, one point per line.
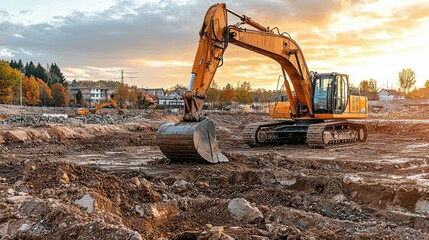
x=20, y=66
x=79, y=97
x=41, y=73
x=13, y=64
x=55, y=75
x=17, y=65
x=30, y=69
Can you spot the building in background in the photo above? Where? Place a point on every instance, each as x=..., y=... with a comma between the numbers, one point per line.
x=389, y=95
x=92, y=95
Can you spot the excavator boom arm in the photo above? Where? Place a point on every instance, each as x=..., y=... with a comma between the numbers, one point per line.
x=215, y=35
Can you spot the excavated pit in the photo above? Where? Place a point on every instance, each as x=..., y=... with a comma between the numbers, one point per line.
x=110, y=180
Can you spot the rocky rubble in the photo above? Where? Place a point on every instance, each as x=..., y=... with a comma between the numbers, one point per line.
x=110, y=119
x=36, y=120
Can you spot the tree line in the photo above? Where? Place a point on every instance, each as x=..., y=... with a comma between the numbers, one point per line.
x=242, y=94
x=406, y=85
x=38, y=86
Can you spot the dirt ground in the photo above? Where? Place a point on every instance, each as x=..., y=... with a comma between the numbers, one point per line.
x=110, y=181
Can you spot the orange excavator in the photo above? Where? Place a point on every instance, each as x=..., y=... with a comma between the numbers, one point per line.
x=86, y=111
x=107, y=104
x=317, y=107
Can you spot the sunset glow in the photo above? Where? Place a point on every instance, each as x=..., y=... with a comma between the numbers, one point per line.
x=158, y=40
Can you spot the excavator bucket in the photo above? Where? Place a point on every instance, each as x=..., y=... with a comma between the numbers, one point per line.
x=190, y=141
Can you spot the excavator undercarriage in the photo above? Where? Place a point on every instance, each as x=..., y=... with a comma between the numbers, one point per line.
x=317, y=134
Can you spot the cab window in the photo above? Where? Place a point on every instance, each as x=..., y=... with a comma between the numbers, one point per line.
x=322, y=96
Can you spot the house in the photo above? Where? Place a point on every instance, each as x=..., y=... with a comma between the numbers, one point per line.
x=92, y=95
x=172, y=100
x=155, y=92
x=389, y=95
x=150, y=98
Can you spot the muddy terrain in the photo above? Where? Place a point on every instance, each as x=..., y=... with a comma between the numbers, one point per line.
x=80, y=178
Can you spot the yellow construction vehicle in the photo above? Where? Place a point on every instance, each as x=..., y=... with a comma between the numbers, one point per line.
x=82, y=111
x=107, y=104
x=317, y=107
x=96, y=110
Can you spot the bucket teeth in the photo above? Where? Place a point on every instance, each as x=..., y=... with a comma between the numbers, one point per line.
x=190, y=141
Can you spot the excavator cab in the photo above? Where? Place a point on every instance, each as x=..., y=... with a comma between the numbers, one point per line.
x=330, y=93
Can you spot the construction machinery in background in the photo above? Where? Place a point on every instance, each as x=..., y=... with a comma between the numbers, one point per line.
x=82, y=111
x=316, y=110
x=108, y=104
x=97, y=109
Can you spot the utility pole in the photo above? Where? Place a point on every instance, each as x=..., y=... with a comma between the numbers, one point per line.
x=20, y=95
x=122, y=77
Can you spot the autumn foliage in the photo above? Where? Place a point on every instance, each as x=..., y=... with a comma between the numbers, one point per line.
x=9, y=78
x=59, y=95
x=30, y=91
x=38, y=84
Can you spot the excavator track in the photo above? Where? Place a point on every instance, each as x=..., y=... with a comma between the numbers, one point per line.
x=322, y=135
x=265, y=133
x=316, y=134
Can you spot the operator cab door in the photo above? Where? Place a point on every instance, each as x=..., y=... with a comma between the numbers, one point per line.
x=340, y=93
x=323, y=94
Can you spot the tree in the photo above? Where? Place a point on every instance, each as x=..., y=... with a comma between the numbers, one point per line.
x=364, y=87
x=407, y=79
x=133, y=97
x=372, y=85
x=79, y=98
x=30, y=91
x=30, y=69
x=427, y=84
x=45, y=92
x=121, y=95
x=244, y=93
x=59, y=95
x=9, y=79
x=228, y=94
x=213, y=93
x=17, y=65
x=41, y=73
x=54, y=75
x=414, y=94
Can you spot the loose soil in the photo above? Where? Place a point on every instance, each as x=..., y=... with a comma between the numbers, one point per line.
x=110, y=181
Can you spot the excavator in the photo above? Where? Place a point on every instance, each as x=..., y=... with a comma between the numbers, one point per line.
x=107, y=104
x=86, y=111
x=315, y=112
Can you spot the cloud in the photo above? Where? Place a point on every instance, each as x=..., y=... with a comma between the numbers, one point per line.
x=25, y=11
x=4, y=15
x=158, y=40
x=6, y=53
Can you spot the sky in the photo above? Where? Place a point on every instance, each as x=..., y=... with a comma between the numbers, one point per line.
x=154, y=42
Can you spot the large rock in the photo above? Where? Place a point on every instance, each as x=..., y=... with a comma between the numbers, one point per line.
x=422, y=206
x=87, y=202
x=241, y=210
x=284, y=178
